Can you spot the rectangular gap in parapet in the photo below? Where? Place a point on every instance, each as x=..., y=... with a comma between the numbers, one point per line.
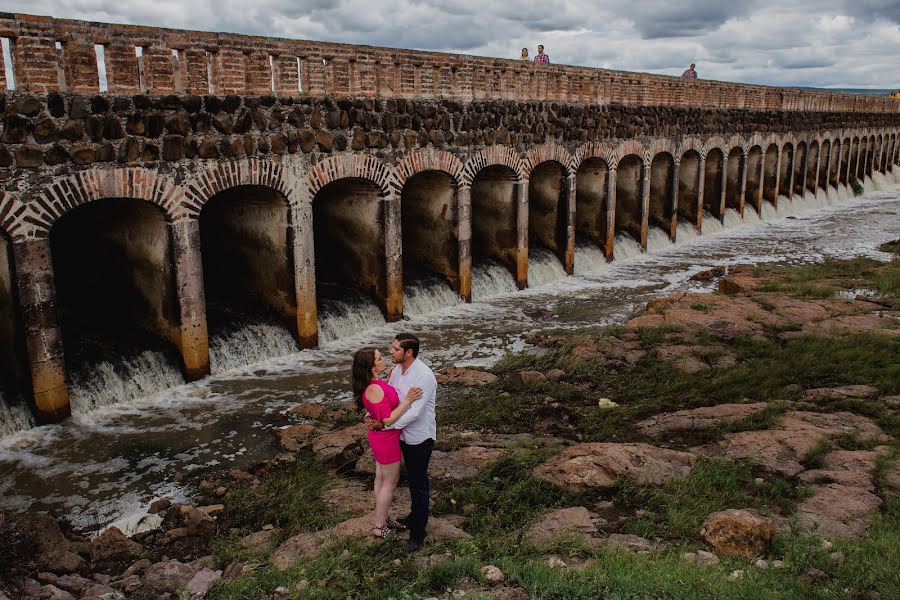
x=100, y=52
x=8, y=44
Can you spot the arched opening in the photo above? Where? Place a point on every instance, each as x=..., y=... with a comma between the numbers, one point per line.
x=845, y=161
x=548, y=216
x=662, y=188
x=13, y=366
x=770, y=181
x=785, y=177
x=246, y=241
x=812, y=165
x=754, y=177
x=873, y=152
x=876, y=159
x=494, y=222
x=888, y=154
x=800, y=165
x=834, y=160
x=116, y=300
x=591, y=202
x=826, y=164
x=689, y=187
x=863, y=158
x=713, y=184
x=629, y=184
x=429, y=225
x=351, y=274
x=853, y=168
x=733, y=181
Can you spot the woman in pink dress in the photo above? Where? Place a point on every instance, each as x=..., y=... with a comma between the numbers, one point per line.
x=382, y=403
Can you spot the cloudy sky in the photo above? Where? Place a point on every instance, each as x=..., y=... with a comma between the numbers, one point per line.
x=823, y=43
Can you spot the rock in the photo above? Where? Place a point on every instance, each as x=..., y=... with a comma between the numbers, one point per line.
x=129, y=584
x=232, y=571
x=840, y=393
x=259, y=542
x=137, y=567
x=709, y=274
x=739, y=283
x=701, y=557
x=761, y=564
x=461, y=464
x=838, y=510
x=426, y=562
x=492, y=575
x=113, y=545
x=460, y=376
x=303, y=544
x=74, y=584
x=698, y=418
x=601, y=464
x=531, y=377
x=632, y=543
x=563, y=523
x=360, y=528
x=556, y=562
x=201, y=582
x=735, y=575
x=159, y=505
x=366, y=464
x=52, y=550
x=167, y=576
x=555, y=374
x=351, y=495
x=735, y=532
x=777, y=564
x=281, y=591
x=103, y=592
x=836, y=556
x=344, y=445
x=190, y=518
x=309, y=410
x=295, y=437
x=51, y=592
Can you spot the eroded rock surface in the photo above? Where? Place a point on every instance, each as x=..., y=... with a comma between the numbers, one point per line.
x=698, y=418
x=600, y=464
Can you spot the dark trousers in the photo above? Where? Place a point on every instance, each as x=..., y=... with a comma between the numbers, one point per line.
x=416, y=457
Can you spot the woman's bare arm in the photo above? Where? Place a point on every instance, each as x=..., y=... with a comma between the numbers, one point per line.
x=411, y=396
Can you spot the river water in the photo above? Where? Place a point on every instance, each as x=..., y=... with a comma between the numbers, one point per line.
x=113, y=458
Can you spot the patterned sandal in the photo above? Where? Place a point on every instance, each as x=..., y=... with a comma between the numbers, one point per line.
x=395, y=525
x=384, y=532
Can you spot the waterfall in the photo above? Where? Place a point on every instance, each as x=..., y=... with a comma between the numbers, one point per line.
x=881, y=181
x=626, y=247
x=733, y=218
x=657, y=240
x=685, y=233
x=589, y=258
x=490, y=279
x=427, y=296
x=345, y=318
x=751, y=217
x=768, y=212
x=14, y=417
x=248, y=342
x=121, y=380
x=543, y=267
x=710, y=224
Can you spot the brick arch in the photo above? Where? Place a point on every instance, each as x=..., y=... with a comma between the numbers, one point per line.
x=659, y=146
x=229, y=174
x=549, y=151
x=737, y=141
x=762, y=140
x=429, y=159
x=361, y=166
x=715, y=142
x=625, y=148
x=12, y=212
x=688, y=144
x=64, y=194
x=601, y=150
x=490, y=156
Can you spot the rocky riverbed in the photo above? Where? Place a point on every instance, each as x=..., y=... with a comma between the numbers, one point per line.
x=735, y=444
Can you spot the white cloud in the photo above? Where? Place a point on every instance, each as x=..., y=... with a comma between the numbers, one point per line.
x=788, y=42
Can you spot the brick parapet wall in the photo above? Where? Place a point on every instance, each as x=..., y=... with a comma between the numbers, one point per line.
x=238, y=64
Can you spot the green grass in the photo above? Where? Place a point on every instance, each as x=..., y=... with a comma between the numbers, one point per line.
x=815, y=457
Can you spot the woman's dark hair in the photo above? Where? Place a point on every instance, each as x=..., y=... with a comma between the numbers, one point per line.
x=361, y=375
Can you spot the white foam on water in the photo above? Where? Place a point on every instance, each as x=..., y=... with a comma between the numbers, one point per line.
x=710, y=225
x=122, y=380
x=733, y=218
x=14, y=417
x=428, y=297
x=344, y=319
x=249, y=343
x=769, y=212
x=626, y=247
x=589, y=258
x=751, y=217
x=491, y=279
x=657, y=240
x=543, y=268
x=685, y=232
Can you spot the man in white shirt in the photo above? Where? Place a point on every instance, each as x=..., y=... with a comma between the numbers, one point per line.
x=419, y=430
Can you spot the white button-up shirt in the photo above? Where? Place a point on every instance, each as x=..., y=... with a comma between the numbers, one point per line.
x=418, y=422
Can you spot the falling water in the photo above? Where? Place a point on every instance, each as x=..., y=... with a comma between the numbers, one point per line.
x=751, y=217
x=733, y=218
x=710, y=224
x=543, y=267
x=589, y=258
x=121, y=380
x=247, y=343
x=491, y=279
x=657, y=240
x=344, y=318
x=686, y=232
x=14, y=417
x=626, y=247
x=768, y=212
x=427, y=296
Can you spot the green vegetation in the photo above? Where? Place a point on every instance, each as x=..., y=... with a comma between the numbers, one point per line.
x=857, y=186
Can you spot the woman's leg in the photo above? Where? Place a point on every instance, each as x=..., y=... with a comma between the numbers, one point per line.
x=379, y=483
x=390, y=477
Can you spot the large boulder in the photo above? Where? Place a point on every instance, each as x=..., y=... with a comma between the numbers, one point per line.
x=838, y=510
x=259, y=541
x=461, y=464
x=735, y=532
x=52, y=551
x=461, y=376
x=295, y=437
x=599, y=465
x=343, y=445
x=360, y=528
x=113, y=546
x=576, y=522
x=698, y=418
x=302, y=544
x=167, y=576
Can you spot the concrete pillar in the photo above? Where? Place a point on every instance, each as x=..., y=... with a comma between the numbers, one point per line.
x=43, y=337
x=193, y=339
x=761, y=192
x=723, y=200
x=393, y=255
x=779, y=156
x=815, y=183
x=848, y=168
x=305, y=276
x=789, y=192
x=673, y=200
x=645, y=204
x=701, y=185
x=742, y=192
x=464, y=239
x=522, y=234
x=610, y=213
x=569, y=262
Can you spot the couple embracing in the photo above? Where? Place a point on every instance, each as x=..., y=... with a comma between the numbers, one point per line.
x=401, y=421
